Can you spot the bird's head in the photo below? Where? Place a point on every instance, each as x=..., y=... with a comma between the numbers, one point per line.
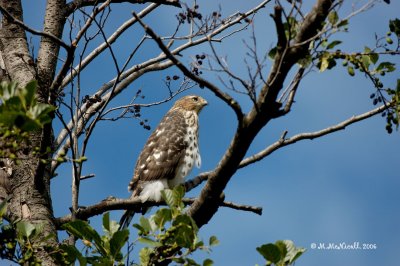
x=191, y=103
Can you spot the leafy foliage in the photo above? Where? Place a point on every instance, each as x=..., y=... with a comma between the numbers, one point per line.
x=20, y=108
x=168, y=229
x=325, y=55
x=171, y=229
x=282, y=253
x=393, y=113
x=17, y=241
x=98, y=250
x=369, y=62
x=20, y=113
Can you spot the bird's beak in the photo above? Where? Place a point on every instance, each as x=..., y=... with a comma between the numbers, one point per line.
x=203, y=103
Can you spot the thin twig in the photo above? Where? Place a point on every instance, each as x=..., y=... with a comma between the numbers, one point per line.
x=282, y=142
x=155, y=64
x=220, y=94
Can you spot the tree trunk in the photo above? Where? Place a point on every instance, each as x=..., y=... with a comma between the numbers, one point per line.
x=29, y=182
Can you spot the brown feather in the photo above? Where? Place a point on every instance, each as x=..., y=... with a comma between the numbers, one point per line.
x=169, y=144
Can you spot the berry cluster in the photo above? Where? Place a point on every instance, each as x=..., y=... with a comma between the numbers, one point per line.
x=91, y=100
x=197, y=64
x=135, y=110
x=174, y=77
x=189, y=15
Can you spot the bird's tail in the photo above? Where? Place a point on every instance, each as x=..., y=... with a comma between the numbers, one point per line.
x=126, y=219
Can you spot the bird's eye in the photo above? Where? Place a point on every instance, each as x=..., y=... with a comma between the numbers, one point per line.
x=195, y=99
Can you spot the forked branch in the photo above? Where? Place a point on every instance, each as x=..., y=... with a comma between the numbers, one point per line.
x=202, y=82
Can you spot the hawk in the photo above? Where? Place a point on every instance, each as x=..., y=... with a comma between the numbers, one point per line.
x=169, y=154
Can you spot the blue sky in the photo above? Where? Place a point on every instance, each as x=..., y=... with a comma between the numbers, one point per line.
x=340, y=188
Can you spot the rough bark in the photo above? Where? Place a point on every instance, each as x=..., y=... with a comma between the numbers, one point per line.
x=47, y=57
x=29, y=183
x=14, y=46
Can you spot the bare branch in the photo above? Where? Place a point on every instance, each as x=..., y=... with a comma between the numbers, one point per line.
x=277, y=16
x=110, y=204
x=67, y=64
x=126, y=108
x=76, y=4
x=202, y=82
x=137, y=71
x=282, y=142
x=102, y=47
x=87, y=176
x=292, y=91
x=86, y=112
x=196, y=181
x=249, y=208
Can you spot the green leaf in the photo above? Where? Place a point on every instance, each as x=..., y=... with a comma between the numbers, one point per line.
x=191, y=262
x=343, y=23
x=324, y=43
x=77, y=228
x=366, y=61
x=324, y=63
x=350, y=70
x=178, y=194
x=25, y=229
x=140, y=228
x=293, y=252
x=3, y=208
x=185, y=237
x=270, y=252
x=168, y=196
x=38, y=230
x=374, y=57
x=282, y=248
x=41, y=112
x=394, y=26
x=145, y=224
x=305, y=61
x=30, y=124
x=386, y=66
x=144, y=256
x=290, y=27
x=272, y=53
x=30, y=93
x=213, y=241
x=106, y=222
x=117, y=241
x=110, y=227
x=333, y=17
x=72, y=253
x=333, y=44
x=161, y=217
x=83, y=230
x=149, y=242
x=8, y=90
x=208, y=262
x=10, y=118
x=185, y=231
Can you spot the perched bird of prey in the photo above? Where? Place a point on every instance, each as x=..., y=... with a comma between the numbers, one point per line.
x=169, y=154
